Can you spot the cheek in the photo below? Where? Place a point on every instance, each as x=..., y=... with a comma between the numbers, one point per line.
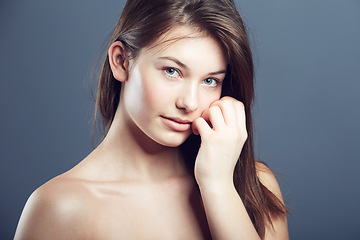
x=152, y=93
x=206, y=99
x=155, y=94
x=137, y=93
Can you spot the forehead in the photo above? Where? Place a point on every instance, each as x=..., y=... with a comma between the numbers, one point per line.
x=189, y=45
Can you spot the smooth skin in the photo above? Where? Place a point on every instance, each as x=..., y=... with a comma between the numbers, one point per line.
x=135, y=185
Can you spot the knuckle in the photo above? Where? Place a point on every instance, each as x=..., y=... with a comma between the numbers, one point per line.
x=228, y=101
x=240, y=104
x=213, y=109
x=228, y=98
x=242, y=135
x=245, y=135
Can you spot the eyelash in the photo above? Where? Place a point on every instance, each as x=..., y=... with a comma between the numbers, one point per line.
x=167, y=69
x=217, y=82
x=175, y=70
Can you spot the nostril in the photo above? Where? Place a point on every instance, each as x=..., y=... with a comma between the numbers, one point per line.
x=187, y=102
x=187, y=105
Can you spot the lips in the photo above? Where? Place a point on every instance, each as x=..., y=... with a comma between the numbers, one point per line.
x=176, y=124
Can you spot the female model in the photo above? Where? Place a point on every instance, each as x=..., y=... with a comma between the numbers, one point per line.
x=176, y=160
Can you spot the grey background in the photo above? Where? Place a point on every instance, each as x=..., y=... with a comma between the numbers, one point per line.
x=307, y=57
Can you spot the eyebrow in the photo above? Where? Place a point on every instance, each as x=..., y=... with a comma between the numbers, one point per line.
x=186, y=67
x=176, y=61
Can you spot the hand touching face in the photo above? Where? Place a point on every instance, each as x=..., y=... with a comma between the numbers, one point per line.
x=222, y=128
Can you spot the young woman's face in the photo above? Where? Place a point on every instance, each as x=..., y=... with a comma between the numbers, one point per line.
x=171, y=83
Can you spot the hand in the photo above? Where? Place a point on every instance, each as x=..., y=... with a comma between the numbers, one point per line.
x=223, y=133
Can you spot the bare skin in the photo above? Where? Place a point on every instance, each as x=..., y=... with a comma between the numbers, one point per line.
x=135, y=185
x=74, y=208
x=98, y=200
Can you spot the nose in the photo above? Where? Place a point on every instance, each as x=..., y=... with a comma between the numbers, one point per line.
x=188, y=98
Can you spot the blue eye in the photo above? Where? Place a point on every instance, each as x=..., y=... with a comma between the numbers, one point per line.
x=210, y=82
x=172, y=72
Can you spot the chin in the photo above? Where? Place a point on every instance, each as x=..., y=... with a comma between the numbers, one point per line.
x=174, y=140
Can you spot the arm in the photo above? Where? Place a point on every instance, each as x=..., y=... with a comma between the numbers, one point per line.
x=226, y=214
x=225, y=211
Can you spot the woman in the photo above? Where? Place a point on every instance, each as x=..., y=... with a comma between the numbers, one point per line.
x=177, y=160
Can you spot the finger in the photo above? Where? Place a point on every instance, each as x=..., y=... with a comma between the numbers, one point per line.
x=241, y=117
x=205, y=115
x=201, y=127
x=240, y=112
x=227, y=106
x=216, y=117
x=194, y=129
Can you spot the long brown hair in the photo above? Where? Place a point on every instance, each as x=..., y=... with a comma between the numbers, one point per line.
x=141, y=23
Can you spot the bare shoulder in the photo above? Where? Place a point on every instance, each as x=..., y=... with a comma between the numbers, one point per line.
x=54, y=209
x=268, y=179
x=278, y=229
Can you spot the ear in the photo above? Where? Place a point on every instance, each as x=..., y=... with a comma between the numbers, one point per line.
x=118, y=61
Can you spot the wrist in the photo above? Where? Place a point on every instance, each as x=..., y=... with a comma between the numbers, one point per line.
x=216, y=186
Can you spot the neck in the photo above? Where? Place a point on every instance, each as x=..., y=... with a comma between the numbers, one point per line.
x=133, y=155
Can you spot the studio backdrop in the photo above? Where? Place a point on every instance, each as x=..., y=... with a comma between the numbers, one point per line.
x=307, y=112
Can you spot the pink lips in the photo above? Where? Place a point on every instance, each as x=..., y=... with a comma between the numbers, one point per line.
x=176, y=124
